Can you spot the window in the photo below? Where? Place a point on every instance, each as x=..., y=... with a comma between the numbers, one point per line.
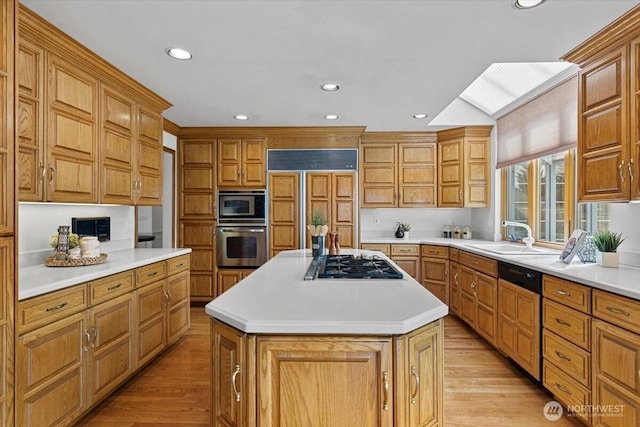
x=541, y=193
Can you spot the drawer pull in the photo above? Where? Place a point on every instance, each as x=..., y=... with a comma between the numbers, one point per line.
x=233, y=382
x=563, y=389
x=474, y=262
x=562, y=356
x=405, y=250
x=417, y=378
x=618, y=311
x=179, y=265
x=152, y=274
x=111, y=288
x=433, y=252
x=561, y=292
x=562, y=322
x=57, y=307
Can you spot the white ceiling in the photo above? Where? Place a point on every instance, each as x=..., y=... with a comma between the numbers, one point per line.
x=267, y=59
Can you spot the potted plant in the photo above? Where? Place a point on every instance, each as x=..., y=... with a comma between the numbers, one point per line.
x=402, y=232
x=74, y=244
x=607, y=243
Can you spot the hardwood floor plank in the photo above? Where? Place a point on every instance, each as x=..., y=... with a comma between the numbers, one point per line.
x=482, y=388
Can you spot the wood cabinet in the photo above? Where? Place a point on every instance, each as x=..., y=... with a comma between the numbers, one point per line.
x=242, y=163
x=464, y=167
x=196, y=211
x=398, y=174
x=566, y=346
x=382, y=247
x=609, y=111
x=408, y=258
x=8, y=121
x=228, y=277
x=519, y=326
x=284, y=212
x=334, y=194
x=281, y=380
x=435, y=270
x=77, y=345
x=454, y=287
x=81, y=140
x=479, y=294
x=7, y=285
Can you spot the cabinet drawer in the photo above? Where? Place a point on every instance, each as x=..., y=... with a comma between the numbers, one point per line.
x=567, y=293
x=433, y=251
x=177, y=264
x=569, y=357
x=44, y=309
x=384, y=248
x=616, y=309
x=564, y=388
x=479, y=263
x=405, y=250
x=150, y=273
x=569, y=324
x=454, y=254
x=104, y=289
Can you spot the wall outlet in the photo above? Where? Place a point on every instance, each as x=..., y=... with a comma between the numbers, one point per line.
x=376, y=221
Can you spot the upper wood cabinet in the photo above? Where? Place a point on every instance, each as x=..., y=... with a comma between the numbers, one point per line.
x=7, y=129
x=398, y=170
x=609, y=111
x=79, y=139
x=284, y=212
x=464, y=167
x=242, y=163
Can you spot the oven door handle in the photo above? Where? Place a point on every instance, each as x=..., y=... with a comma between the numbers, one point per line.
x=242, y=230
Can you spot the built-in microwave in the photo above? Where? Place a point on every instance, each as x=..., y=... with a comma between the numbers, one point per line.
x=241, y=207
x=99, y=227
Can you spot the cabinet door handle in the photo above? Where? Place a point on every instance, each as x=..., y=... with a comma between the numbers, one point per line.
x=620, y=166
x=618, y=311
x=455, y=278
x=88, y=337
x=57, y=307
x=473, y=287
x=52, y=174
x=114, y=287
x=563, y=389
x=385, y=383
x=561, y=292
x=233, y=382
x=417, y=378
x=95, y=336
x=562, y=356
x=630, y=166
x=562, y=322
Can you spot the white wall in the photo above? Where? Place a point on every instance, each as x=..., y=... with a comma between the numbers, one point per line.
x=625, y=219
x=424, y=222
x=38, y=221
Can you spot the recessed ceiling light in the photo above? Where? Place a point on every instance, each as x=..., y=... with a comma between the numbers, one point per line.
x=330, y=87
x=177, y=53
x=420, y=116
x=331, y=117
x=527, y=4
x=241, y=117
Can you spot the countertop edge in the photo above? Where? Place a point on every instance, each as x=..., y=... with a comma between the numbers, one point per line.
x=90, y=274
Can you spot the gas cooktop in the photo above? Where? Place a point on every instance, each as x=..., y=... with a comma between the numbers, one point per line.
x=351, y=267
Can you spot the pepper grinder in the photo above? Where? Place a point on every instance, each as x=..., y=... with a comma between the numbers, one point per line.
x=333, y=248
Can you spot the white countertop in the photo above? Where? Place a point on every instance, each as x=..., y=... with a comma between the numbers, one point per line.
x=624, y=280
x=40, y=279
x=275, y=299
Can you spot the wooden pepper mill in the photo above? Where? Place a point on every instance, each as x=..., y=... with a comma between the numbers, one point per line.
x=334, y=246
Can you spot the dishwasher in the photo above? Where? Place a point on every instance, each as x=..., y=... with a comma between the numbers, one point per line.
x=519, y=316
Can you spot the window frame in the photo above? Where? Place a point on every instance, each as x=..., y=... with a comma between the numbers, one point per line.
x=533, y=193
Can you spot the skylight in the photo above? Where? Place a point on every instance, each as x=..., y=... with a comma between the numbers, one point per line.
x=503, y=83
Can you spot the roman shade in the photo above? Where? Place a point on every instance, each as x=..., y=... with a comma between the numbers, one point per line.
x=545, y=125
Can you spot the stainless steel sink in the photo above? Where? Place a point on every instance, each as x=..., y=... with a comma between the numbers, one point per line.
x=511, y=249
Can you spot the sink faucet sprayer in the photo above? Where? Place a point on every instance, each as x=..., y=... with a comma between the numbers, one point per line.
x=528, y=241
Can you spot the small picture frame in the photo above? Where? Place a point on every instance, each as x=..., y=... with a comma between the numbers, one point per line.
x=573, y=245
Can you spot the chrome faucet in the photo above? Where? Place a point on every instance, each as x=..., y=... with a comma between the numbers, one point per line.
x=528, y=241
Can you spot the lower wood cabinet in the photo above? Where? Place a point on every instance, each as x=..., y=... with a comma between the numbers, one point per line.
x=454, y=288
x=435, y=270
x=77, y=345
x=278, y=380
x=228, y=277
x=519, y=326
x=479, y=302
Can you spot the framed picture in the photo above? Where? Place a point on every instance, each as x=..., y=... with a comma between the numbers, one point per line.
x=573, y=245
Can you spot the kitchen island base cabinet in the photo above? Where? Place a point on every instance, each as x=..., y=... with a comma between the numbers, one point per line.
x=278, y=380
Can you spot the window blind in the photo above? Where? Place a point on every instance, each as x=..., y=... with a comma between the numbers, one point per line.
x=545, y=125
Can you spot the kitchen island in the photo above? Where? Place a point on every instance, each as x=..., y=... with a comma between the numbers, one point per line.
x=290, y=352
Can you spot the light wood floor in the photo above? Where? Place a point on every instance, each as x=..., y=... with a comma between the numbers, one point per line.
x=481, y=387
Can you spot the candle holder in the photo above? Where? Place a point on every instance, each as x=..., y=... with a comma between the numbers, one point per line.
x=62, y=250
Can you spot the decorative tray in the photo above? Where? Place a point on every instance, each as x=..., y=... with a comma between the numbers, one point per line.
x=51, y=261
